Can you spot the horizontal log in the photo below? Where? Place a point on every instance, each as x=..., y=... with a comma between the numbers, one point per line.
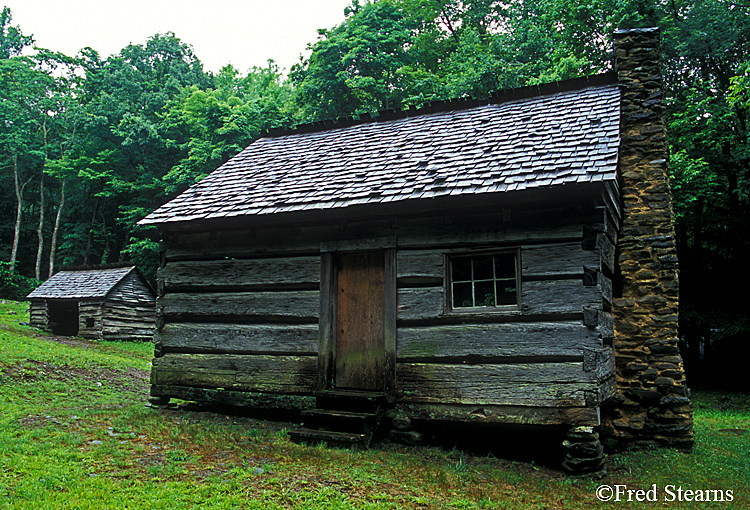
x=140, y=330
x=606, y=363
x=521, y=415
x=556, y=260
x=559, y=296
x=605, y=325
x=300, y=306
x=129, y=313
x=496, y=340
x=537, y=298
x=605, y=286
x=606, y=248
x=607, y=389
x=529, y=384
x=418, y=232
x=146, y=328
x=140, y=306
x=264, y=374
x=301, y=339
x=420, y=267
x=421, y=304
x=132, y=295
x=135, y=318
x=126, y=338
x=241, y=274
x=235, y=398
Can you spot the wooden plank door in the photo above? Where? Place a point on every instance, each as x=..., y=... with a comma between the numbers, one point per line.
x=360, y=354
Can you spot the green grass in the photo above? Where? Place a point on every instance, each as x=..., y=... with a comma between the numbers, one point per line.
x=75, y=433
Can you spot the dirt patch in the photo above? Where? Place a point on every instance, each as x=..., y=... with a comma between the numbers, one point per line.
x=130, y=380
x=127, y=380
x=70, y=340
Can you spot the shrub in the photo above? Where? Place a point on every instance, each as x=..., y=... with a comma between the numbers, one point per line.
x=15, y=286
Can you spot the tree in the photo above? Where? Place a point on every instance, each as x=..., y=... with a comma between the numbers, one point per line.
x=12, y=40
x=354, y=68
x=219, y=122
x=707, y=46
x=118, y=151
x=22, y=113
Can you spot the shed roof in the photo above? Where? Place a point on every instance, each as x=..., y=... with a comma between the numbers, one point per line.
x=87, y=283
x=561, y=135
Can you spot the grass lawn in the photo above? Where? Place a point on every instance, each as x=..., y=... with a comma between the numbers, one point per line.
x=75, y=433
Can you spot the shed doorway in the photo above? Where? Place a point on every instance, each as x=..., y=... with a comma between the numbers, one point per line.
x=360, y=353
x=63, y=317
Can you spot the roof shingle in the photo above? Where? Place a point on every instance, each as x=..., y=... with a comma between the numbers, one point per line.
x=550, y=140
x=88, y=283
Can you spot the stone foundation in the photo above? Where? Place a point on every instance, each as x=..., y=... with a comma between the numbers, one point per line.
x=584, y=454
x=652, y=404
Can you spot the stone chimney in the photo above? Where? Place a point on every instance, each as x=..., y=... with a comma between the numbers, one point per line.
x=652, y=404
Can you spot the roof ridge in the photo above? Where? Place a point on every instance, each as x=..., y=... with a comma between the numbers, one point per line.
x=90, y=267
x=444, y=105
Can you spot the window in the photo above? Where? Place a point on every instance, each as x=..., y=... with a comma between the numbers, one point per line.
x=484, y=280
x=89, y=322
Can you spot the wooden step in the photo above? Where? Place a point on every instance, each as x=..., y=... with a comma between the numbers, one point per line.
x=352, y=394
x=330, y=437
x=350, y=400
x=334, y=414
x=344, y=421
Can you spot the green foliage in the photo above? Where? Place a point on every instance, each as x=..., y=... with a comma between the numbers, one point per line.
x=13, y=285
x=217, y=123
x=354, y=68
x=12, y=40
x=706, y=46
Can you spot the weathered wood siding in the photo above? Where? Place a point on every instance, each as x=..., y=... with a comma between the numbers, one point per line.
x=551, y=351
x=38, y=317
x=238, y=312
x=129, y=312
x=90, y=318
x=248, y=326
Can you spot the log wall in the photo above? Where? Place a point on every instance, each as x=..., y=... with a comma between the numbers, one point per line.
x=238, y=312
x=38, y=314
x=90, y=318
x=129, y=313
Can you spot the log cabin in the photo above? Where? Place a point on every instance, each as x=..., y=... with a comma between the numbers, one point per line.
x=468, y=261
x=106, y=303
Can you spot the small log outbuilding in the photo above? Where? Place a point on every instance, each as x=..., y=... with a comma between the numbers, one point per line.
x=104, y=304
x=454, y=262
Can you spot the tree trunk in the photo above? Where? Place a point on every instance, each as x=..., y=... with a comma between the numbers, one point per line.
x=91, y=233
x=53, y=242
x=40, y=227
x=40, y=231
x=19, y=188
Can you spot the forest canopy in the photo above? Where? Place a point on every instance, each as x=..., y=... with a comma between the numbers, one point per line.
x=91, y=144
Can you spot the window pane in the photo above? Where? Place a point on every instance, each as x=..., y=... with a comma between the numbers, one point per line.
x=483, y=268
x=506, y=292
x=461, y=269
x=485, y=293
x=462, y=295
x=505, y=265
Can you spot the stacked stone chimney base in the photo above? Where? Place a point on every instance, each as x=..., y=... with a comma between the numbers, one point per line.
x=652, y=404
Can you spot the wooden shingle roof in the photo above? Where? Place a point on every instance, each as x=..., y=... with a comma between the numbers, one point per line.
x=563, y=135
x=87, y=283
